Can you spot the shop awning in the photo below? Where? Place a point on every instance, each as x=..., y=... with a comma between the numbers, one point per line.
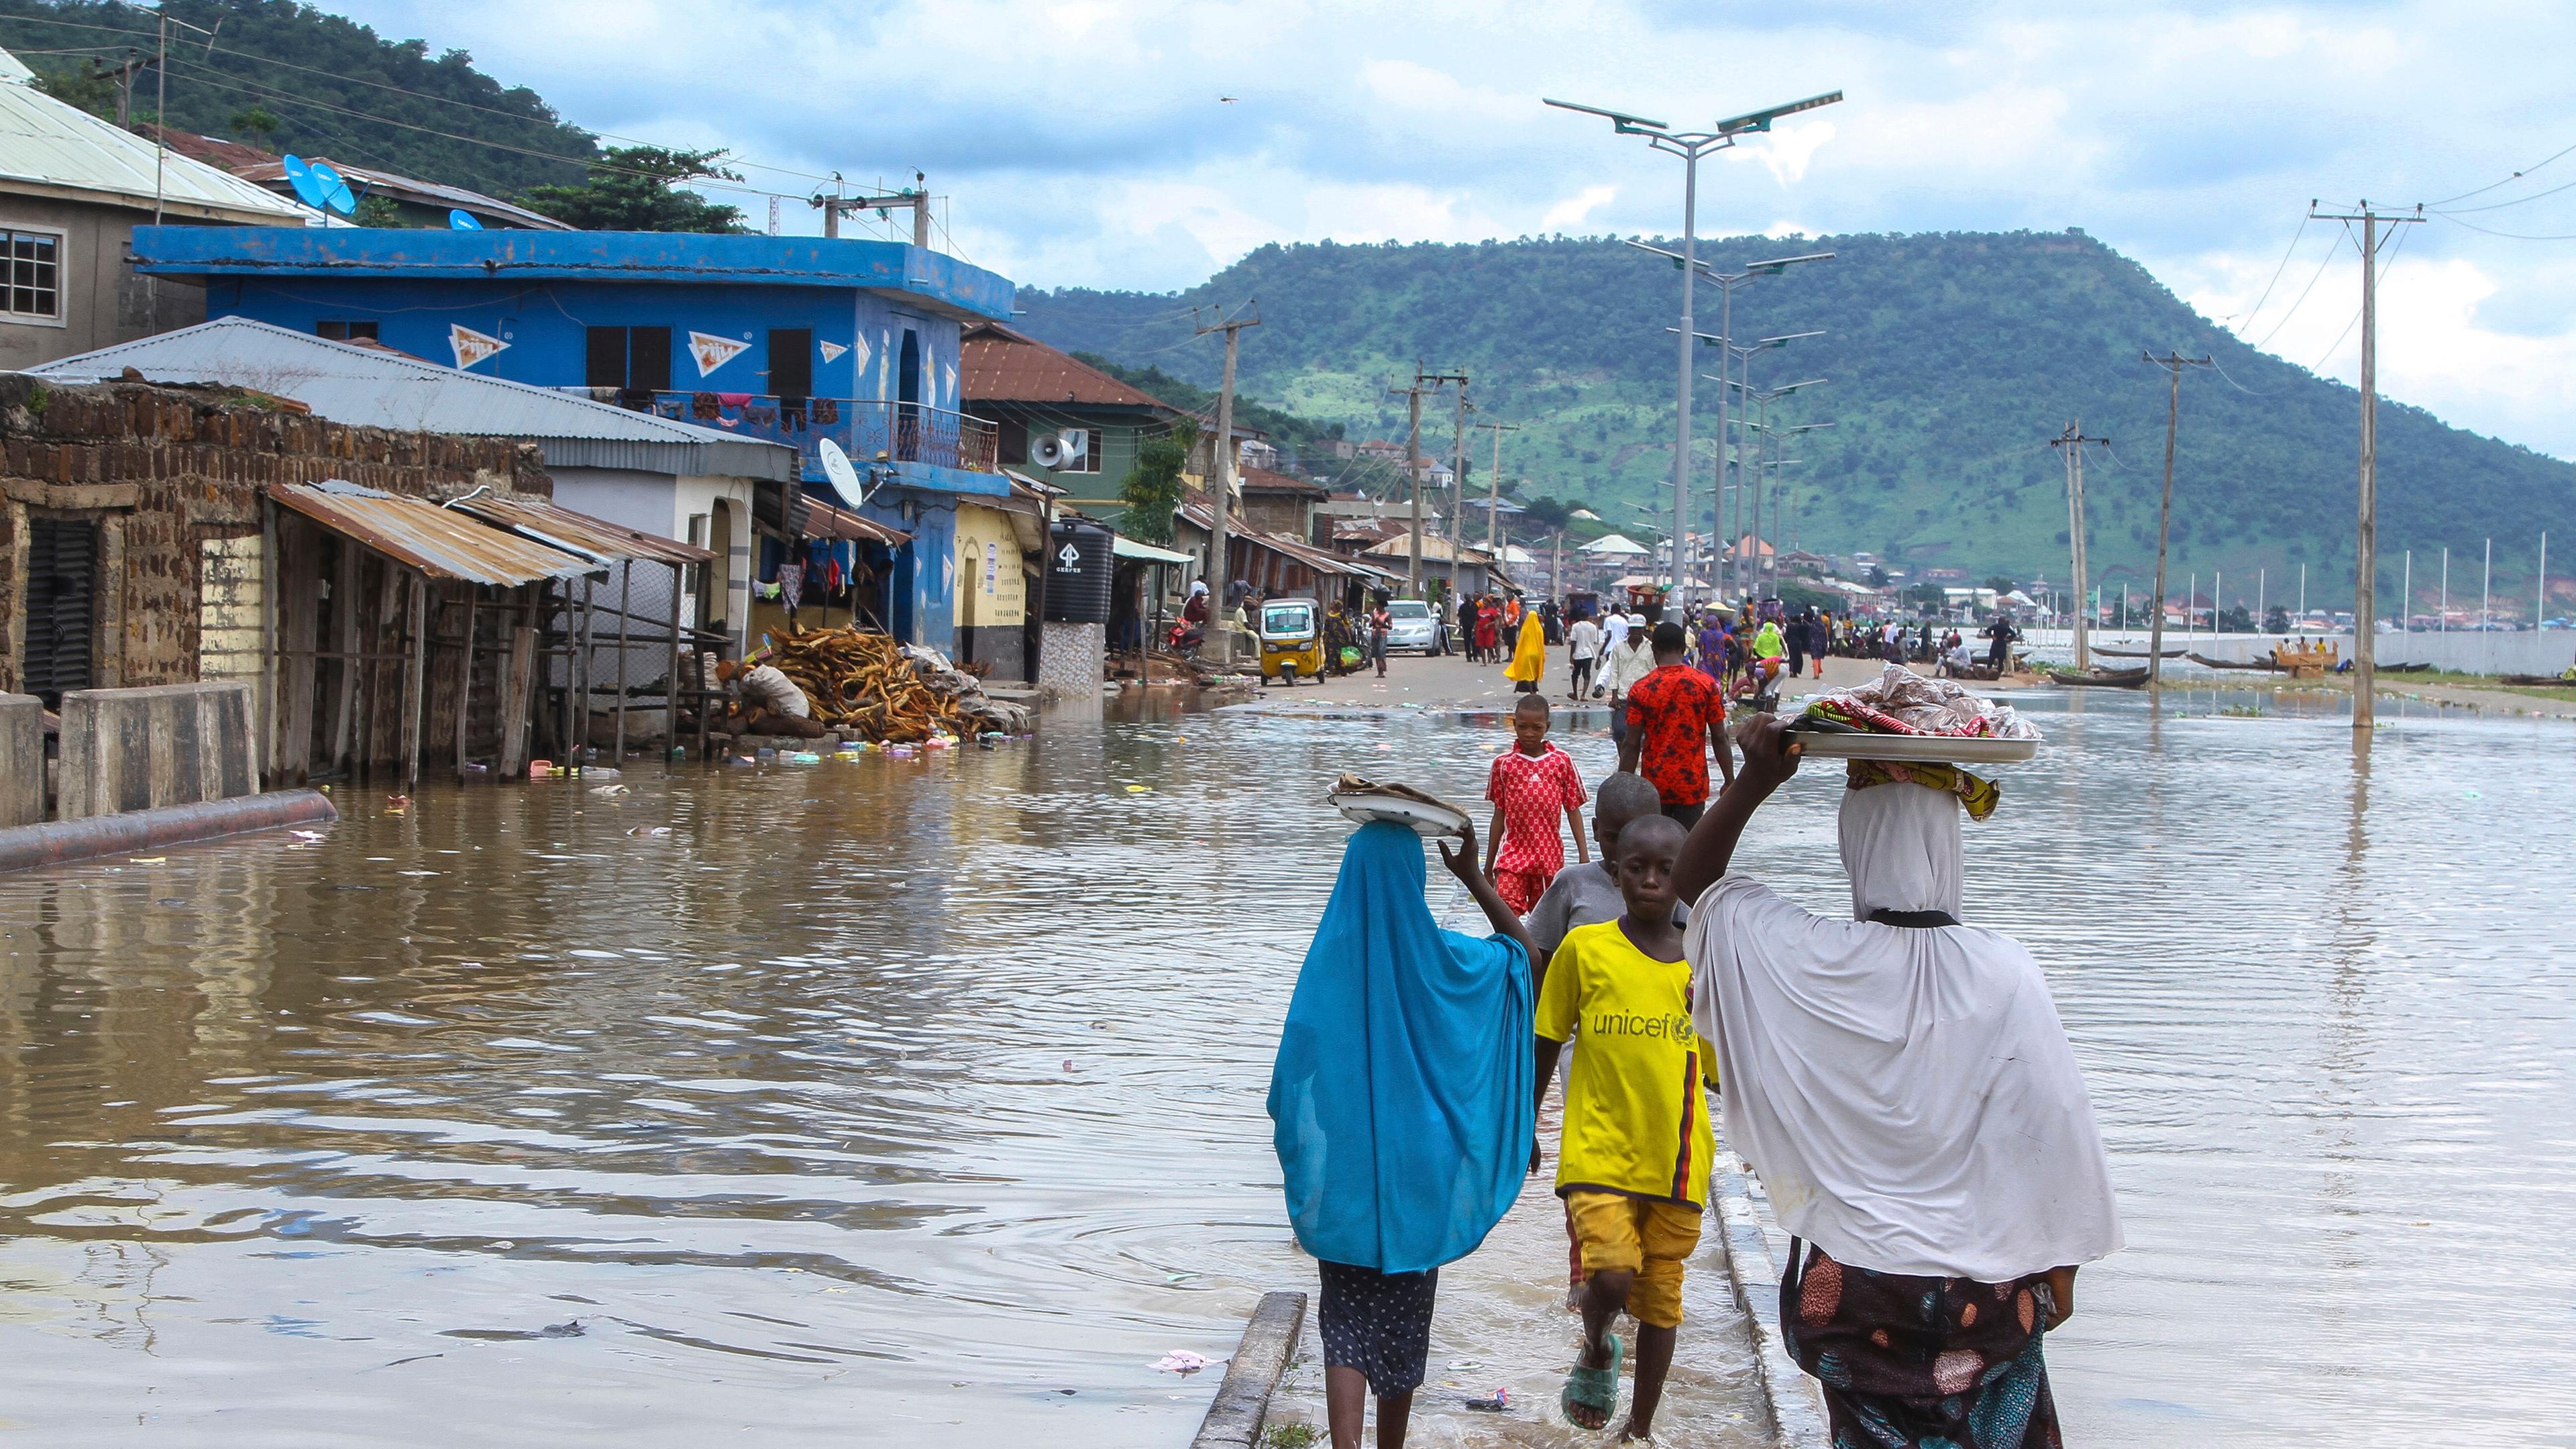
x=541, y=521
x=444, y=543
x=1122, y=546
x=825, y=521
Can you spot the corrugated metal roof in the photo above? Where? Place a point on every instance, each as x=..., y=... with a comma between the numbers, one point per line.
x=444, y=543
x=822, y=520
x=559, y=527
x=997, y=364
x=370, y=179
x=1121, y=546
x=47, y=145
x=1320, y=560
x=379, y=387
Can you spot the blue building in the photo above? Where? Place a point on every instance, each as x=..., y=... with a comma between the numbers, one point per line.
x=787, y=339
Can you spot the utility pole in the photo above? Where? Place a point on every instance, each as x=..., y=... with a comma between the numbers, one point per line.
x=917, y=197
x=1413, y=474
x=2540, y=605
x=2365, y=580
x=2073, y=441
x=1221, y=485
x=1494, y=488
x=1457, y=486
x=2175, y=362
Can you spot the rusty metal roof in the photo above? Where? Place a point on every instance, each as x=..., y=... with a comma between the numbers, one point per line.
x=824, y=521
x=444, y=543
x=559, y=527
x=999, y=364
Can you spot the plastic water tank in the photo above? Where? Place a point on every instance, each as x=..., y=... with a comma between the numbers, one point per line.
x=1080, y=570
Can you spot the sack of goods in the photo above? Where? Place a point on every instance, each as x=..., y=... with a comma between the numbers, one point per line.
x=1902, y=702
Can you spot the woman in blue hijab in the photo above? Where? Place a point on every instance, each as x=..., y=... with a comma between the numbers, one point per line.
x=1402, y=1110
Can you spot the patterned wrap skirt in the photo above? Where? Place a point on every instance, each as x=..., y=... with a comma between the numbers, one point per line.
x=1378, y=1323
x=1921, y=1363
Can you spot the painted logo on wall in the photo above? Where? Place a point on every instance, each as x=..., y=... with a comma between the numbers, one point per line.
x=832, y=353
x=471, y=346
x=713, y=352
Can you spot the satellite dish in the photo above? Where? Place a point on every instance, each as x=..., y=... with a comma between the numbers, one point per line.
x=836, y=466
x=335, y=191
x=462, y=221
x=299, y=177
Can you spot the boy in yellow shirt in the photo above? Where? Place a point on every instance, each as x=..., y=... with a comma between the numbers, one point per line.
x=1632, y=1162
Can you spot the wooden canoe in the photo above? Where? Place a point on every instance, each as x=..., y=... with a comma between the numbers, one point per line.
x=2112, y=678
x=2265, y=665
x=2540, y=681
x=2107, y=651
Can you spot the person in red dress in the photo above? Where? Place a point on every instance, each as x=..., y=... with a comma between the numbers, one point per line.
x=1676, y=716
x=1532, y=785
x=1486, y=637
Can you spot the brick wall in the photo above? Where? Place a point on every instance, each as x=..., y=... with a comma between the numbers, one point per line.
x=164, y=468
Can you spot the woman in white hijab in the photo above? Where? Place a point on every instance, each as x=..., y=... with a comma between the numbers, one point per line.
x=1903, y=1086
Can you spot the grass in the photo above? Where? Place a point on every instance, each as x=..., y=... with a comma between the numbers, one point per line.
x=1292, y=1436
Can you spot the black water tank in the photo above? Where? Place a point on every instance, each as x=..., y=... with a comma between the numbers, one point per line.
x=1080, y=568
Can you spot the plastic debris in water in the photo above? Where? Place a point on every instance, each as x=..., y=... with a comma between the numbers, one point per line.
x=1500, y=1403
x=608, y=789
x=397, y=804
x=650, y=830
x=147, y=860
x=306, y=834
x=1180, y=1361
x=1140, y=789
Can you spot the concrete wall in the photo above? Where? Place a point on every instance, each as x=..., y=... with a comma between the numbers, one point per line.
x=1069, y=658
x=2531, y=651
x=171, y=744
x=104, y=300
x=22, y=760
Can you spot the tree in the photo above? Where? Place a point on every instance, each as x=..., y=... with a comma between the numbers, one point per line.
x=87, y=89
x=1545, y=514
x=2001, y=583
x=1151, y=491
x=1877, y=577
x=2276, y=620
x=640, y=188
x=258, y=125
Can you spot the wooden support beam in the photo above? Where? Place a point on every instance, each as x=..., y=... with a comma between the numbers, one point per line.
x=465, y=675
x=341, y=718
x=516, y=685
x=414, y=682
x=671, y=692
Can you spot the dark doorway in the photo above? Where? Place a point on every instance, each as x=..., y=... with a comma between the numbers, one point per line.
x=62, y=592
x=907, y=413
x=791, y=363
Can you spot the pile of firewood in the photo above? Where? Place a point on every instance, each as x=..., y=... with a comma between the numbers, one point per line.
x=867, y=684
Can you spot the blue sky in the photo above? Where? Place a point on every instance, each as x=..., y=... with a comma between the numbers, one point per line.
x=1081, y=142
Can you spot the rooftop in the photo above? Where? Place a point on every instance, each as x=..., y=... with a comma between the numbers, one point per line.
x=376, y=386
x=926, y=279
x=50, y=148
x=1000, y=364
x=268, y=171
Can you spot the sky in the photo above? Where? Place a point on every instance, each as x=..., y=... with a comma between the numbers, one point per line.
x=1144, y=145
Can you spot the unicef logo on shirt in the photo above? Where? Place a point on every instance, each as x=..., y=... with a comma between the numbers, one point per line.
x=1660, y=1027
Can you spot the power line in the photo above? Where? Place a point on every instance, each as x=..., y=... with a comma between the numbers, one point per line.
x=2303, y=298
x=2514, y=235
x=2257, y=309
x=2508, y=181
x=2517, y=201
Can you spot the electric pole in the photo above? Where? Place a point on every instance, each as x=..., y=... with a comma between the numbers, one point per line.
x=2164, y=515
x=1425, y=382
x=1494, y=488
x=1458, y=484
x=1221, y=484
x=2073, y=441
x=2365, y=581
x=917, y=197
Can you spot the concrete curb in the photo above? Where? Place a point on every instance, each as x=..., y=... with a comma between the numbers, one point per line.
x=25, y=847
x=1797, y=1409
x=1243, y=1400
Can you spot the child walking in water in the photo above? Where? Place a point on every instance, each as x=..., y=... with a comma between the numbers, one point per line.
x=1533, y=783
x=1632, y=1160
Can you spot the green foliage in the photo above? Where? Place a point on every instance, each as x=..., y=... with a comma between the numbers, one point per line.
x=638, y=188
x=379, y=211
x=2001, y=583
x=1950, y=358
x=1795, y=595
x=1151, y=491
x=1545, y=514
x=80, y=85
x=336, y=87
x=258, y=126
x=1291, y=1436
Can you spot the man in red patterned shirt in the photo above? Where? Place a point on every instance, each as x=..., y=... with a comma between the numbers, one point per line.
x=1676, y=715
x=1532, y=784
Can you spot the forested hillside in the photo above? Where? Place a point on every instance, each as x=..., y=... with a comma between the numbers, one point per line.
x=287, y=77
x=1950, y=361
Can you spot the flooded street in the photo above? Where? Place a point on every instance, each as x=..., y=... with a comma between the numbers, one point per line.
x=871, y=1100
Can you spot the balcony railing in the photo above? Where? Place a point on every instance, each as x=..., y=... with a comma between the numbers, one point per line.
x=868, y=429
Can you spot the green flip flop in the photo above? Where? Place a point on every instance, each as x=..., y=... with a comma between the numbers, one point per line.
x=1593, y=1388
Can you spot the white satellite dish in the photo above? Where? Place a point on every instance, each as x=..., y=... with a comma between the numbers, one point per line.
x=836, y=466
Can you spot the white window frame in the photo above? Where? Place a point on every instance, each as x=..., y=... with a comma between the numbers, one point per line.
x=60, y=317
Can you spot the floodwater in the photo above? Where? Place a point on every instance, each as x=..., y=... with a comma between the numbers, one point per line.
x=903, y=1099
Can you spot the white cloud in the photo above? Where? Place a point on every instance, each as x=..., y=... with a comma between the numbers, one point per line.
x=1083, y=142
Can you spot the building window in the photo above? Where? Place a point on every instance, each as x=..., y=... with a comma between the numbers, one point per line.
x=1090, y=462
x=632, y=359
x=1011, y=442
x=35, y=277
x=351, y=331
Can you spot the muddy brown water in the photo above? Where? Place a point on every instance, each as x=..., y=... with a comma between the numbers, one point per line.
x=903, y=1101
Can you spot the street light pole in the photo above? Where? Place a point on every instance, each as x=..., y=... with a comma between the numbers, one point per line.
x=1690, y=146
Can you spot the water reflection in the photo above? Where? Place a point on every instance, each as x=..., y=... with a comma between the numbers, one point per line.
x=901, y=1095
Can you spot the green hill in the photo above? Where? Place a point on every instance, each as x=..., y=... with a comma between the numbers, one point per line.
x=1951, y=360
x=287, y=77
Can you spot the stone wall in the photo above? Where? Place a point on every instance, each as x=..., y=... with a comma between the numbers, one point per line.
x=163, y=469
x=22, y=760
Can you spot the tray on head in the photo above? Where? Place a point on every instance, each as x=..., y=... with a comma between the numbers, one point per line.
x=1914, y=749
x=1420, y=817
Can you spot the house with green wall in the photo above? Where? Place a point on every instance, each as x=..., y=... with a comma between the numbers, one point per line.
x=1060, y=420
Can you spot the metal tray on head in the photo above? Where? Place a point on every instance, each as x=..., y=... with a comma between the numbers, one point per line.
x=1417, y=816
x=1914, y=749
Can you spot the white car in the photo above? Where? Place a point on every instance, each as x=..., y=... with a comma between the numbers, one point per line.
x=1413, y=626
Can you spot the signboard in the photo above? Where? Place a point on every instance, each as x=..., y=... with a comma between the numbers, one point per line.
x=471, y=346
x=713, y=352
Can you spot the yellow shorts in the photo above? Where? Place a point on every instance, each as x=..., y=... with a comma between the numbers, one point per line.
x=1647, y=1237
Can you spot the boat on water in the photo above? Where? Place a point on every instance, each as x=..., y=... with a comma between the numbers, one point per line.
x=2203, y=660
x=2559, y=681
x=2112, y=678
x=2107, y=650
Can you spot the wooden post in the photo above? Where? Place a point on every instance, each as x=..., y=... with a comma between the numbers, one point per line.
x=299, y=576
x=344, y=633
x=516, y=685
x=671, y=694
x=465, y=674
x=416, y=626
x=625, y=615
x=268, y=585
x=582, y=666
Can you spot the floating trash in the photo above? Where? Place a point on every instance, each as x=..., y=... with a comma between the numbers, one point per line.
x=1180, y=1361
